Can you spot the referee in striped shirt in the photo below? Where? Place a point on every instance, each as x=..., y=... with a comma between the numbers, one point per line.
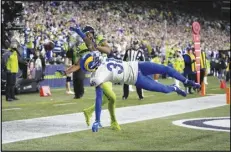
x=135, y=53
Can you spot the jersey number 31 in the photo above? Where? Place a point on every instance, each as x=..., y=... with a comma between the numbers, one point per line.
x=114, y=66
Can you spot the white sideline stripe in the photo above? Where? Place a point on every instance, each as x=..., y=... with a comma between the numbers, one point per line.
x=11, y=109
x=18, y=130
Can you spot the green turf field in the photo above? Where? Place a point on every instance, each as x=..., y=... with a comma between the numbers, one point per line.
x=154, y=134
x=32, y=105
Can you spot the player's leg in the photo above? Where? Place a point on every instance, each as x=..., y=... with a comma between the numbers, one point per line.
x=108, y=97
x=109, y=93
x=125, y=91
x=140, y=93
x=148, y=68
x=202, y=75
x=190, y=77
x=149, y=84
x=89, y=111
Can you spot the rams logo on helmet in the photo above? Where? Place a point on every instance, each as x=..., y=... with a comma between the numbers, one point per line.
x=89, y=62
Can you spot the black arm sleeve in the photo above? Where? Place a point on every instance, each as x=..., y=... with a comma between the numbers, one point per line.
x=141, y=58
x=125, y=55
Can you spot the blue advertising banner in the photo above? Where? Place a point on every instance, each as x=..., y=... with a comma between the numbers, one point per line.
x=54, y=79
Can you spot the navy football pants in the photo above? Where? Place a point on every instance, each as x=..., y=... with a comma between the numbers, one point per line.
x=147, y=83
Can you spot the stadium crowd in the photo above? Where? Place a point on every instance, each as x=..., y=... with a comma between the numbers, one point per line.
x=162, y=29
x=120, y=23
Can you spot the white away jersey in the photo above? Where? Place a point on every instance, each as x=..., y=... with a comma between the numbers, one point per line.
x=115, y=71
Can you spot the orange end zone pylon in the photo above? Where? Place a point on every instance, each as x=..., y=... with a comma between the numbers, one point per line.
x=228, y=95
x=203, y=88
x=45, y=91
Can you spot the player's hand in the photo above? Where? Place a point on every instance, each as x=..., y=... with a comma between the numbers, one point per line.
x=75, y=28
x=96, y=125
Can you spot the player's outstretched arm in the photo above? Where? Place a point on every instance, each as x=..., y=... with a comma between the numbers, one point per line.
x=104, y=48
x=73, y=68
x=87, y=41
x=98, y=103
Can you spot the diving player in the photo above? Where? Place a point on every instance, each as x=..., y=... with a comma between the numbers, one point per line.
x=131, y=73
x=109, y=96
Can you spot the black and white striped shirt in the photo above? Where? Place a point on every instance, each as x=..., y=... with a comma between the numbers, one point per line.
x=134, y=55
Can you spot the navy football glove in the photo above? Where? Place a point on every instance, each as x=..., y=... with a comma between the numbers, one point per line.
x=96, y=125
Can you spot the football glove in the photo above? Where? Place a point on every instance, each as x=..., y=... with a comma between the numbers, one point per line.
x=96, y=125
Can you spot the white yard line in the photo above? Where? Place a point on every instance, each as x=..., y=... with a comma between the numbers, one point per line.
x=212, y=94
x=18, y=130
x=216, y=89
x=11, y=109
x=63, y=104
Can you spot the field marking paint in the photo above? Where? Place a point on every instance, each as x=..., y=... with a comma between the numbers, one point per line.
x=212, y=94
x=215, y=89
x=63, y=104
x=18, y=130
x=11, y=109
x=181, y=123
x=145, y=96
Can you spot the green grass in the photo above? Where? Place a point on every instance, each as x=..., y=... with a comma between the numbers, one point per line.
x=32, y=105
x=155, y=134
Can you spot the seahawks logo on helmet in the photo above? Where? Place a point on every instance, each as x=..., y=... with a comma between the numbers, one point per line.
x=90, y=61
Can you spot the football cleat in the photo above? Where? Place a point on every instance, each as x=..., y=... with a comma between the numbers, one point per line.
x=115, y=126
x=192, y=83
x=87, y=115
x=179, y=91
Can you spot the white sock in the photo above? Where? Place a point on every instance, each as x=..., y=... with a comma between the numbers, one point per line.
x=205, y=80
x=177, y=82
x=130, y=87
x=186, y=90
x=186, y=81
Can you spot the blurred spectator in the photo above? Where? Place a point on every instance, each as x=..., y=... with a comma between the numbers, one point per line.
x=31, y=70
x=161, y=27
x=10, y=60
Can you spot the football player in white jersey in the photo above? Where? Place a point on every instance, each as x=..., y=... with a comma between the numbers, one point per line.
x=131, y=73
x=109, y=96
